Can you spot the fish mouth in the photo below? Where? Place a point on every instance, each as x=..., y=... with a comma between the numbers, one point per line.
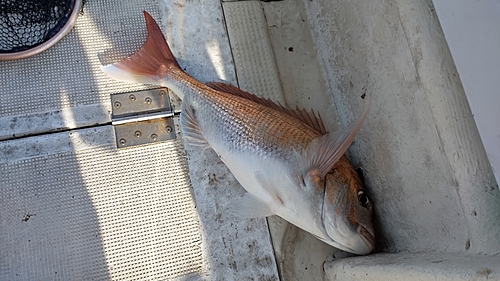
x=367, y=238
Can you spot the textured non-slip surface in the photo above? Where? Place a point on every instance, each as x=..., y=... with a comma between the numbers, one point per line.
x=82, y=210
x=68, y=74
x=72, y=206
x=252, y=51
x=77, y=206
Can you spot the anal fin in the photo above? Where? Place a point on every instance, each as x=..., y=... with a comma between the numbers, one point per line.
x=250, y=207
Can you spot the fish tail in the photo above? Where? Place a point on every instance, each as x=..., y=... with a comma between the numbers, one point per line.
x=150, y=64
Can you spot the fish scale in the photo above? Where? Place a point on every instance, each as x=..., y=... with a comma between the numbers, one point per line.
x=226, y=116
x=273, y=131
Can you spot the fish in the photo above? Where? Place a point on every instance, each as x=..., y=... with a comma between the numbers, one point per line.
x=285, y=159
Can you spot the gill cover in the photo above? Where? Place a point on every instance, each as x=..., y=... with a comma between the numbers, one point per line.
x=347, y=223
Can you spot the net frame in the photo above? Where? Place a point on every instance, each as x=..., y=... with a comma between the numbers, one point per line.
x=57, y=35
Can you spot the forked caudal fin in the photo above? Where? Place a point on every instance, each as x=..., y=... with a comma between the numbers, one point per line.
x=150, y=63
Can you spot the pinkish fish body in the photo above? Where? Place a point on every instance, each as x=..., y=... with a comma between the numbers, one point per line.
x=284, y=158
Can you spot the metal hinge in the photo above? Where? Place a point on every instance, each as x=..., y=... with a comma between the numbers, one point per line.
x=142, y=117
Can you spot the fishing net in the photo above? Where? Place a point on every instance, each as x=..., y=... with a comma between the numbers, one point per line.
x=25, y=24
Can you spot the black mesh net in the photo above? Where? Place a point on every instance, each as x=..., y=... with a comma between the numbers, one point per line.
x=25, y=24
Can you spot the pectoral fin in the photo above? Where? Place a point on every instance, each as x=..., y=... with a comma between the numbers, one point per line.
x=189, y=126
x=324, y=151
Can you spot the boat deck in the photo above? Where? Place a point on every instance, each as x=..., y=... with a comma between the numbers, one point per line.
x=75, y=205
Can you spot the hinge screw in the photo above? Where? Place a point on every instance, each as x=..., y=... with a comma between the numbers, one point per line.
x=154, y=137
x=169, y=129
x=148, y=100
x=118, y=104
x=123, y=141
x=138, y=134
x=131, y=97
x=162, y=93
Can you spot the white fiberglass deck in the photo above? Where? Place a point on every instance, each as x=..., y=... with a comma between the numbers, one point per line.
x=73, y=206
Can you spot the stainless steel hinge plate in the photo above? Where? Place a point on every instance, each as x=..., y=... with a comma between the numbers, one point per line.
x=148, y=131
x=142, y=117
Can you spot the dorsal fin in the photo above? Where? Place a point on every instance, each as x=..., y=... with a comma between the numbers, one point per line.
x=308, y=118
x=227, y=88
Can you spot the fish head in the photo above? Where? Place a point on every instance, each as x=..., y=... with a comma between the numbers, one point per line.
x=347, y=212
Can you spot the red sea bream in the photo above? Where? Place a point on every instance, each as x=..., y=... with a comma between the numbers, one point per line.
x=286, y=161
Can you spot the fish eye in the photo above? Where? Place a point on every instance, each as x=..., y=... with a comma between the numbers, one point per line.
x=363, y=198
